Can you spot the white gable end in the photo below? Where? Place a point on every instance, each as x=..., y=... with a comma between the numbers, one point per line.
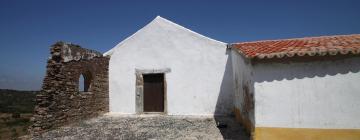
x=197, y=70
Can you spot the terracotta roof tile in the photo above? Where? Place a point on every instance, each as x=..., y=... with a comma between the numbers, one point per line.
x=311, y=46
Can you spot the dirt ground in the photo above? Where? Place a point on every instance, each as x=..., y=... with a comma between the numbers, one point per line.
x=113, y=126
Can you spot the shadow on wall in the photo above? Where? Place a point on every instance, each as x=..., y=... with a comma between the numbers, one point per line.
x=223, y=115
x=290, y=70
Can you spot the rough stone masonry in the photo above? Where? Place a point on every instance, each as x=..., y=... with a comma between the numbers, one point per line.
x=60, y=101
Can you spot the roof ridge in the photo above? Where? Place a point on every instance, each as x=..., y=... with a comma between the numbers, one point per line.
x=311, y=46
x=299, y=38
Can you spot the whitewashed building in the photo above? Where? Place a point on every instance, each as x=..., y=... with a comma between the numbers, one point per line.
x=305, y=88
x=166, y=68
x=298, y=89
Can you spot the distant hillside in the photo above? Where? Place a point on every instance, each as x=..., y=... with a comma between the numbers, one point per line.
x=17, y=101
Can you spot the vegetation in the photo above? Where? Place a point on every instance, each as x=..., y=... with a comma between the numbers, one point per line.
x=16, y=108
x=13, y=101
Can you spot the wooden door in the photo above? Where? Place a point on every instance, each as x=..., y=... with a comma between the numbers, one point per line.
x=153, y=92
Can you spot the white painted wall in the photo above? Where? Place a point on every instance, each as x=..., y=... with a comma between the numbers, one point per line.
x=201, y=75
x=308, y=95
x=242, y=76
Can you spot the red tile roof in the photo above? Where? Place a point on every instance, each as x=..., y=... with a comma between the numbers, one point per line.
x=311, y=46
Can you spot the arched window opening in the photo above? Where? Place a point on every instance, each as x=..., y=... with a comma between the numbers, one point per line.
x=85, y=82
x=81, y=83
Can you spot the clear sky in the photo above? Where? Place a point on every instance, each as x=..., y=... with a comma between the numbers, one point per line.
x=28, y=28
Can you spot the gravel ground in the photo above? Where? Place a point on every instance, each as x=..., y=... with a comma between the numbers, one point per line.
x=112, y=126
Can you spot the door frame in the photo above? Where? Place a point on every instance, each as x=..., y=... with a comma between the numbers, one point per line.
x=139, y=89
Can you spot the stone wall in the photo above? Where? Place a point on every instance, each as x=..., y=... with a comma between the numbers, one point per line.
x=60, y=101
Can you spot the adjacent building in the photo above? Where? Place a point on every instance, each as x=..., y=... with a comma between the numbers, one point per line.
x=305, y=88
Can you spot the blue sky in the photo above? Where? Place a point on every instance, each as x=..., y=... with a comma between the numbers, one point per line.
x=28, y=28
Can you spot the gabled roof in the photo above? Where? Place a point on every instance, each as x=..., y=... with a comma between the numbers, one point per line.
x=153, y=27
x=311, y=46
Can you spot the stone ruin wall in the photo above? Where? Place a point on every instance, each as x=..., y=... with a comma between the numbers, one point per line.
x=60, y=101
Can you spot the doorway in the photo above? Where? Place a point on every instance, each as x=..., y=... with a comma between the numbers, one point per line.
x=153, y=92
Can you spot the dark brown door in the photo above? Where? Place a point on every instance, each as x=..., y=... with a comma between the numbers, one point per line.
x=153, y=92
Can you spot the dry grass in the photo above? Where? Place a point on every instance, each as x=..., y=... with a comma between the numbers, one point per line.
x=11, y=128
